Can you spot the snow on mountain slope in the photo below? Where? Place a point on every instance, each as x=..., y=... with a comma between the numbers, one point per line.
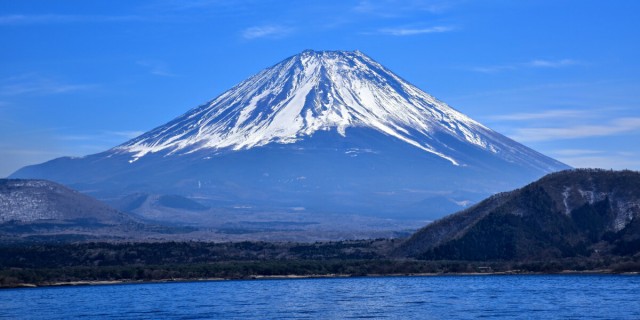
x=327, y=131
x=319, y=90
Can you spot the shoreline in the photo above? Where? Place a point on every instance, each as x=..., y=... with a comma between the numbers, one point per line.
x=312, y=276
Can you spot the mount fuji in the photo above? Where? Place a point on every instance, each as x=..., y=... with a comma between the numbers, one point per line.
x=322, y=132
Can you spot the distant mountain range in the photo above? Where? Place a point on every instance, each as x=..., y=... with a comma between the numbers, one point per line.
x=565, y=214
x=322, y=132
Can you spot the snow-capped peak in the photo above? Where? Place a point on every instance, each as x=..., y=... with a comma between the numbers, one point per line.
x=311, y=91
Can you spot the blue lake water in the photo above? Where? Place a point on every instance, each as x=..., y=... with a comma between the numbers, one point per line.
x=442, y=297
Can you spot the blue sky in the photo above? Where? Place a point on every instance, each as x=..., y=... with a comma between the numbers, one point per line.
x=79, y=77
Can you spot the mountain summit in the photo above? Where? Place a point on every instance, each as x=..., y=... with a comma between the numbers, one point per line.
x=322, y=132
x=325, y=90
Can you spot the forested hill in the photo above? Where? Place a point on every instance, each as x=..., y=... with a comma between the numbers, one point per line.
x=582, y=212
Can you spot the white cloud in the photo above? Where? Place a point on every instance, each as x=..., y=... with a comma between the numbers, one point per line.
x=22, y=19
x=104, y=137
x=193, y=5
x=615, y=161
x=414, y=31
x=267, y=31
x=156, y=67
x=552, y=63
x=15, y=158
x=47, y=143
x=613, y=127
x=31, y=152
x=125, y=134
x=398, y=8
x=18, y=19
x=548, y=114
x=34, y=84
x=538, y=63
x=492, y=69
x=575, y=152
x=591, y=158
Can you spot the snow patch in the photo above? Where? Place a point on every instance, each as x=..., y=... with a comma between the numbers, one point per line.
x=591, y=196
x=627, y=211
x=565, y=200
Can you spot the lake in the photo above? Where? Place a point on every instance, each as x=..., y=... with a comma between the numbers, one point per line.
x=438, y=297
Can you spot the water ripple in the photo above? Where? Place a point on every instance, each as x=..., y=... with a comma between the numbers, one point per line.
x=459, y=297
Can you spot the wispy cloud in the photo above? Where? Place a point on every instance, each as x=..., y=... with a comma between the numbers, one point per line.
x=31, y=152
x=552, y=63
x=19, y=19
x=397, y=8
x=156, y=67
x=547, y=114
x=24, y=19
x=266, y=31
x=199, y=5
x=35, y=146
x=537, y=63
x=413, y=31
x=87, y=143
x=600, y=159
x=125, y=134
x=187, y=4
x=576, y=152
x=101, y=137
x=613, y=127
x=493, y=69
x=35, y=84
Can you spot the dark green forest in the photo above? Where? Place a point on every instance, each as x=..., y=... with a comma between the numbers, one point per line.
x=45, y=264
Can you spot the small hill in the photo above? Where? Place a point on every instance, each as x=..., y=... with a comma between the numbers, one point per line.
x=38, y=200
x=137, y=201
x=571, y=213
x=44, y=210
